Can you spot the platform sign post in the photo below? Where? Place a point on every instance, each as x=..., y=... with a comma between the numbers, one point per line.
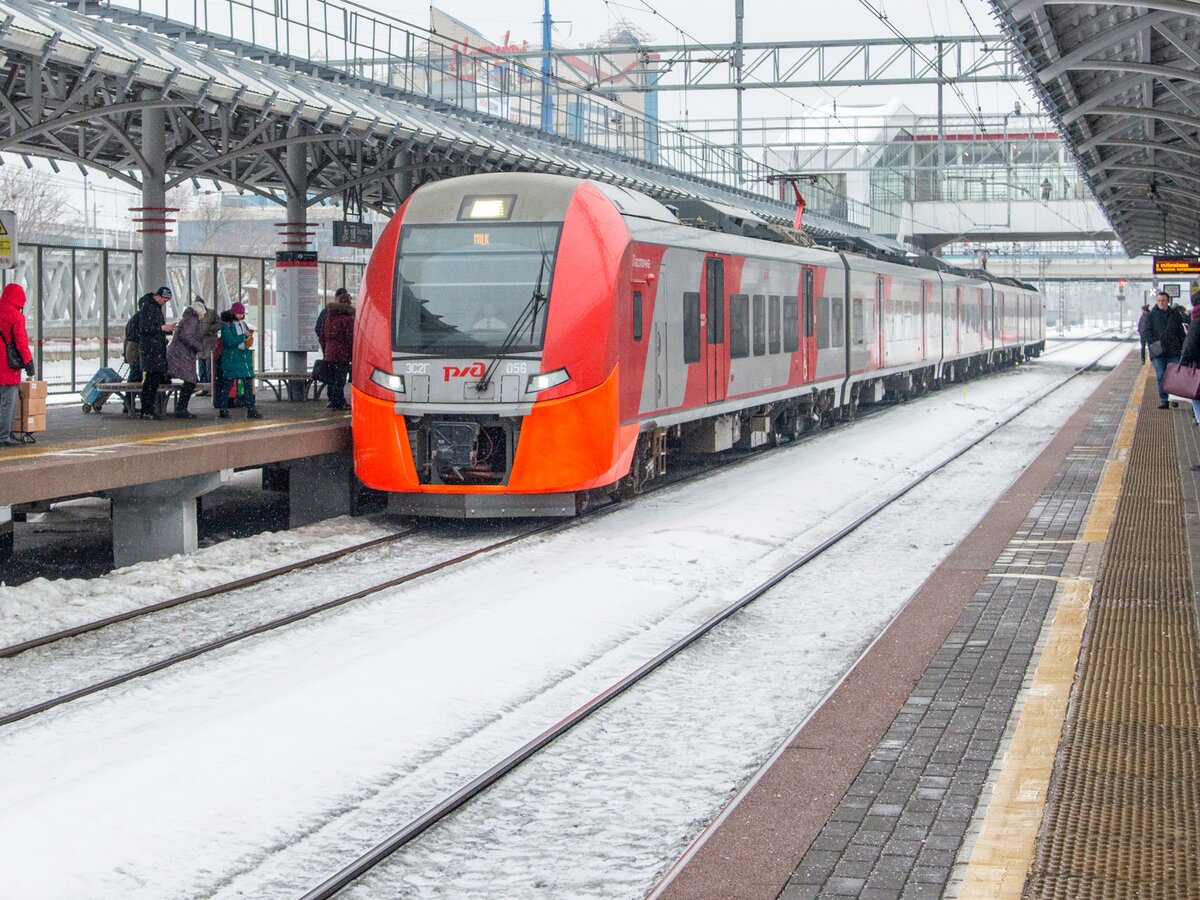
x=297, y=299
x=8, y=239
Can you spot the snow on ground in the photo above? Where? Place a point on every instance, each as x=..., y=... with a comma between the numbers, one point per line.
x=41, y=606
x=256, y=770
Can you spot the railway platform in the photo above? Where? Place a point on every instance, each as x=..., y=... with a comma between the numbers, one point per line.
x=153, y=471
x=1029, y=724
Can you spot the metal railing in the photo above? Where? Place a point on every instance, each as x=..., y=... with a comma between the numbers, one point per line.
x=80, y=299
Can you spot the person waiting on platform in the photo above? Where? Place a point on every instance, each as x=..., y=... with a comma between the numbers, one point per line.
x=17, y=356
x=152, y=333
x=1164, y=340
x=337, y=342
x=185, y=346
x=1143, y=319
x=237, y=362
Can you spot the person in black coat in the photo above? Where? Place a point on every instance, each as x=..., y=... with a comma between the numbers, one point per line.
x=1164, y=333
x=152, y=346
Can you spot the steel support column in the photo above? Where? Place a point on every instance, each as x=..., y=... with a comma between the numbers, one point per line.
x=296, y=361
x=154, y=196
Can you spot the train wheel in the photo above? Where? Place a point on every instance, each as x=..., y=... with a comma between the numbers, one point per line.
x=641, y=470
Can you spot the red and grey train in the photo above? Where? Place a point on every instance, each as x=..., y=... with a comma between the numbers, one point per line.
x=525, y=339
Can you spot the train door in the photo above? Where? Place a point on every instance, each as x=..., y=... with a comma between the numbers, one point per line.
x=881, y=349
x=658, y=347
x=716, y=362
x=807, y=329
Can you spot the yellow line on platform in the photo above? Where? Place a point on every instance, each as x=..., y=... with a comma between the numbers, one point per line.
x=1007, y=841
x=1104, y=506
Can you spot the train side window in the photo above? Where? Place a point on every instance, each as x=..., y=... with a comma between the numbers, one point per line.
x=739, y=326
x=760, y=325
x=691, y=327
x=837, y=322
x=791, y=324
x=773, y=324
x=637, y=315
x=715, y=279
x=808, y=303
x=857, y=322
x=822, y=323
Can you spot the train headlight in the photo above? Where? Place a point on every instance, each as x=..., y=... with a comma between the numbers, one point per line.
x=546, y=380
x=389, y=381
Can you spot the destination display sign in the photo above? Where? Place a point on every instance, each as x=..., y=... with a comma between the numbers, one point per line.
x=353, y=234
x=1177, y=265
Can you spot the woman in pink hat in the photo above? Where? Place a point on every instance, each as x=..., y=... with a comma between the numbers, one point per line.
x=16, y=350
x=237, y=361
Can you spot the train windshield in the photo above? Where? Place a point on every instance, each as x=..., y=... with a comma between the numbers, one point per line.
x=473, y=289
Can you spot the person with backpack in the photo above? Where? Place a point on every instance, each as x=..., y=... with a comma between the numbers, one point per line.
x=132, y=350
x=152, y=334
x=17, y=356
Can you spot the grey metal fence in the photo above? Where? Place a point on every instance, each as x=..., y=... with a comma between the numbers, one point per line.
x=80, y=298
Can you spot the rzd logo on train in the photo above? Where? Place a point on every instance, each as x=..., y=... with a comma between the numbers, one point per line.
x=473, y=371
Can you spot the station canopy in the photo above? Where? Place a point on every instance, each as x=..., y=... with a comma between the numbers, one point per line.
x=1123, y=82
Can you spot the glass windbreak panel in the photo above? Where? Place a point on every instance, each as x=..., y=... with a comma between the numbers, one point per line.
x=481, y=288
x=89, y=302
x=122, y=301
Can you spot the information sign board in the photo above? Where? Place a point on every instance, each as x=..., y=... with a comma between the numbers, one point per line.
x=8, y=239
x=353, y=234
x=297, y=299
x=1176, y=265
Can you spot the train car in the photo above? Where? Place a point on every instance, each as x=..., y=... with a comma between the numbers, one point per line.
x=525, y=341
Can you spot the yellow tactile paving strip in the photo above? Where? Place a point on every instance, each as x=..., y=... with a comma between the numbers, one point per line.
x=1123, y=813
x=1004, y=850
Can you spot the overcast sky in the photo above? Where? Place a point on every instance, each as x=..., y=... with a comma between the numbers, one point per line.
x=712, y=21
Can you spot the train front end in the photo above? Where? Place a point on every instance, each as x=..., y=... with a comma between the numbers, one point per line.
x=484, y=379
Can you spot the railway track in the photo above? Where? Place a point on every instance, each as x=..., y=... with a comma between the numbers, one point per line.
x=680, y=475
x=17, y=713
x=459, y=798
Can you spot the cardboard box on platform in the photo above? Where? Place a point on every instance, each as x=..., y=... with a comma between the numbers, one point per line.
x=34, y=390
x=29, y=423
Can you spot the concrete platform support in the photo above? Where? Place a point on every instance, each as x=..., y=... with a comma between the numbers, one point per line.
x=157, y=520
x=321, y=487
x=6, y=533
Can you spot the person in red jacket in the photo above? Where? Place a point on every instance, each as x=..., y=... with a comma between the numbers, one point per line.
x=12, y=335
x=337, y=342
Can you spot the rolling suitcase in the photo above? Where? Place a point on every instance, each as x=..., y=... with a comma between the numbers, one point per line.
x=93, y=397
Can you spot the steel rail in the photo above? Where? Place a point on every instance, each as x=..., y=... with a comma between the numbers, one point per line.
x=214, y=591
x=209, y=646
x=476, y=786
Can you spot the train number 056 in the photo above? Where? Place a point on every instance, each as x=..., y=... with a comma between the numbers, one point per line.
x=516, y=368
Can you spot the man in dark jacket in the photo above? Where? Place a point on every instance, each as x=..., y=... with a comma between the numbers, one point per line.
x=1164, y=339
x=152, y=346
x=337, y=342
x=1141, y=327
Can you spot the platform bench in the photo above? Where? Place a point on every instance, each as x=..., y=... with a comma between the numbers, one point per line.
x=130, y=390
x=276, y=381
